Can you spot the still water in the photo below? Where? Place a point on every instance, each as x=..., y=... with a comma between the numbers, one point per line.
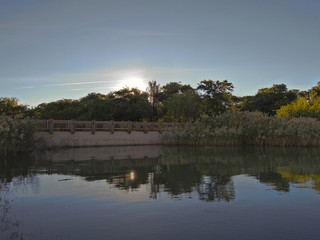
x=154, y=192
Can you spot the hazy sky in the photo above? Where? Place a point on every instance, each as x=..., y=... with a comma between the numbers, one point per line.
x=51, y=50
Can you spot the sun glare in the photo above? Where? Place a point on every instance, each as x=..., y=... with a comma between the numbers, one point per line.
x=133, y=82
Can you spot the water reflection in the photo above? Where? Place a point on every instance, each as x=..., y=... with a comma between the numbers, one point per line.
x=97, y=191
x=207, y=172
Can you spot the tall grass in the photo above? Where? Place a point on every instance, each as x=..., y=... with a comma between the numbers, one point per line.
x=248, y=128
x=16, y=135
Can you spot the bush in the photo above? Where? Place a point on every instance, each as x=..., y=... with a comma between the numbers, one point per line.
x=16, y=135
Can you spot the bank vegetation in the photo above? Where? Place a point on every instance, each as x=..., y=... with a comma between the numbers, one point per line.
x=275, y=115
x=16, y=135
x=235, y=128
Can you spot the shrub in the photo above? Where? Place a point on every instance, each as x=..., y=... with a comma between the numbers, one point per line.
x=16, y=135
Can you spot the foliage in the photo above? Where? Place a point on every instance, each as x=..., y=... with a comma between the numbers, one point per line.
x=268, y=100
x=16, y=135
x=184, y=107
x=132, y=104
x=174, y=88
x=308, y=105
x=249, y=128
x=301, y=108
x=172, y=102
x=96, y=106
x=315, y=91
x=10, y=106
x=216, y=95
x=61, y=109
x=172, y=107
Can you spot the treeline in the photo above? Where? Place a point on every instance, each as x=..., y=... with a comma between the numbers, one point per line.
x=173, y=102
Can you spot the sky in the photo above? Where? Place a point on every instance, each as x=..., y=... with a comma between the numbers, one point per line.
x=65, y=49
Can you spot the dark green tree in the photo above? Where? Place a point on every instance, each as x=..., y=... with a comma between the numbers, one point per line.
x=64, y=109
x=174, y=88
x=183, y=107
x=96, y=106
x=216, y=95
x=268, y=100
x=132, y=104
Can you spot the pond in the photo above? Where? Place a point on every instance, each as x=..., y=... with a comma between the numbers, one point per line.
x=156, y=192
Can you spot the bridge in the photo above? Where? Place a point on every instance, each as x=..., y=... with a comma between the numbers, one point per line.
x=73, y=126
x=73, y=133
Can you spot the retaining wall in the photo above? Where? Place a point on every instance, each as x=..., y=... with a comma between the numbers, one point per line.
x=87, y=139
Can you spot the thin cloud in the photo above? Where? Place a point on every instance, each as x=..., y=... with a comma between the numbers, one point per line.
x=28, y=87
x=137, y=33
x=119, y=75
x=102, y=88
x=77, y=89
x=72, y=84
x=79, y=83
x=96, y=88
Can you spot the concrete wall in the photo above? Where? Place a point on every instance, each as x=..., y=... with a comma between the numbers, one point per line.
x=87, y=139
x=100, y=153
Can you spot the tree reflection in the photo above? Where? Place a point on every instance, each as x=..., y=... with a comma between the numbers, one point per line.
x=10, y=176
x=275, y=179
x=178, y=179
x=216, y=188
x=206, y=173
x=130, y=180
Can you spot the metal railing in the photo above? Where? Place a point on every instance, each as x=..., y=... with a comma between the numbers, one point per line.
x=107, y=126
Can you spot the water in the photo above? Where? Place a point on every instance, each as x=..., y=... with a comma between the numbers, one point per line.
x=158, y=192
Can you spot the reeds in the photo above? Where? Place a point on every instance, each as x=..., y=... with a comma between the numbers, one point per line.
x=248, y=128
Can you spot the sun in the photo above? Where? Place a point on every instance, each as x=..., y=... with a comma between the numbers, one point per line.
x=133, y=82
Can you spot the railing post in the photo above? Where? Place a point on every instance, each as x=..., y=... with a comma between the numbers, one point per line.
x=50, y=126
x=93, y=127
x=145, y=127
x=72, y=126
x=112, y=127
x=129, y=126
x=160, y=127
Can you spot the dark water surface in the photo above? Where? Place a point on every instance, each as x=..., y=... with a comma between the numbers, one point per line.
x=161, y=193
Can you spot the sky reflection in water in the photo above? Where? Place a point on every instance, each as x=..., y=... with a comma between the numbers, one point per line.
x=177, y=193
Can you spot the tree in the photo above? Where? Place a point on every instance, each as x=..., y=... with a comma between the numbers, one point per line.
x=216, y=95
x=183, y=107
x=268, y=100
x=154, y=97
x=11, y=107
x=174, y=88
x=315, y=91
x=96, y=106
x=132, y=104
x=307, y=105
x=303, y=107
x=62, y=109
x=169, y=91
